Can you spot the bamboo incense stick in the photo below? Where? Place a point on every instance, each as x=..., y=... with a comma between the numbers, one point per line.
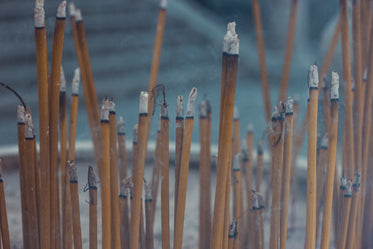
x=42, y=76
x=262, y=58
x=286, y=171
x=204, y=178
x=289, y=49
x=142, y=227
x=332, y=151
x=73, y=113
x=156, y=172
x=104, y=171
x=259, y=166
x=237, y=196
x=3, y=213
x=75, y=205
x=149, y=234
x=313, y=82
x=344, y=215
x=164, y=166
x=157, y=49
x=92, y=186
x=134, y=147
x=68, y=222
x=114, y=194
x=123, y=202
x=122, y=155
x=184, y=169
x=139, y=170
x=248, y=169
x=228, y=85
x=232, y=234
x=258, y=207
x=227, y=205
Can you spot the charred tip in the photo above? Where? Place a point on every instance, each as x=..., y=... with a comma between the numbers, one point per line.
x=163, y=4
x=72, y=171
x=233, y=229
x=348, y=190
x=61, y=11
x=289, y=108
x=92, y=181
x=164, y=110
x=236, y=162
x=324, y=142
x=112, y=106
x=20, y=114
x=39, y=14
x=121, y=126
x=191, y=102
x=203, y=109
x=76, y=81
x=334, y=90
x=143, y=107
x=356, y=184
x=148, y=191
x=236, y=113
x=72, y=9
x=104, y=115
x=180, y=106
x=29, y=126
x=313, y=77
x=78, y=15
x=62, y=81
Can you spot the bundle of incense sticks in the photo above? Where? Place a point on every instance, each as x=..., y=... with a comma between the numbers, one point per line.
x=342, y=197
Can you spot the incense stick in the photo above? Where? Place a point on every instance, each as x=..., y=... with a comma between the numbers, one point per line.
x=122, y=154
x=184, y=169
x=228, y=86
x=259, y=166
x=3, y=213
x=258, y=207
x=156, y=172
x=73, y=113
x=75, y=205
x=123, y=202
x=92, y=185
x=149, y=234
x=247, y=159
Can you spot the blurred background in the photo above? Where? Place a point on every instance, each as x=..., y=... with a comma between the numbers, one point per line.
x=120, y=36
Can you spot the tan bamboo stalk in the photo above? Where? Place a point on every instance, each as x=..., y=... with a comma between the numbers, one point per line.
x=149, y=233
x=262, y=58
x=142, y=227
x=286, y=171
x=237, y=195
x=365, y=30
x=22, y=170
x=42, y=76
x=248, y=169
x=332, y=153
x=122, y=155
x=139, y=170
x=37, y=182
x=344, y=215
x=114, y=194
x=77, y=233
x=178, y=144
x=184, y=169
x=68, y=223
x=92, y=187
x=259, y=166
x=157, y=49
x=335, y=208
x=31, y=198
x=277, y=161
x=73, y=114
x=232, y=235
x=258, y=208
x=88, y=83
x=156, y=172
x=289, y=49
x=204, y=178
x=313, y=82
x=3, y=213
x=227, y=205
x=104, y=172
x=228, y=85
x=123, y=202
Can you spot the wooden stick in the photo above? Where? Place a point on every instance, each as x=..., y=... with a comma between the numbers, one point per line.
x=139, y=170
x=156, y=173
x=114, y=195
x=232, y=235
x=68, y=219
x=227, y=204
x=42, y=76
x=258, y=208
x=122, y=155
x=149, y=234
x=88, y=84
x=286, y=171
x=277, y=161
x=289, y=49
x=73, y=114
x=204, y=178
x=313, y=81
x=157, y=49
x=344, y=215
x=248, y=169
x=123, y=202
x=3, y=214
x=325, y=101
x=104, y=170
x=259, y=166
x=92, y=185
x=262, y=59
x=75, y=205
x=237, y=195
x=184, y=169
x=332, y=153
x=228, y=85
x=142, y=227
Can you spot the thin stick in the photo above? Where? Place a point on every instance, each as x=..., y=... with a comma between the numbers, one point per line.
x=121, y=136
x=42, y=75
x=248, y=169
x=123, y=202
x=75, y=205
x=92, y=185
x=149, y=234
x=232, y=235
x=262, y=59
x=289, y=49
x=157, y=50
x=3, y=214
x=259, y=166
x=227, y=204
x=156, y=172
x=344, y=215
x=332, y=153
x=204, y=178
x=286, y=171
x=139, y=170
x=237, y=195
x=184, y=169
x=68, y=221
x=258, y=208
x=228, y=87
x=104, y=171
x=142, y=227
x=114, y=198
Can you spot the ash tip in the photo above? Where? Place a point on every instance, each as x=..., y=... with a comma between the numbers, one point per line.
x=92, y=181
x=356, y=184
x=255, y=201
x=76, y=81
x=334, y=90
x=126, y=186
x=134, y=136
x=29, y=126
x=180, y=106
x=348, y=190
x=260, y=200
x=72, y=9
x=324, y=141
x=313, y=77
x=296, y=99
x=21, y=114
x=289, y=106
x=250, y=128
x=104, y=115
x=275, y=113
x=148, y=191
x=343, y=183
x=72, y=171
x=260, y=147
x=231, y=40
x=365, y=75
x=78, y=15
x=61, y=11
x=203, y=109
x=191, y=102
x=62, y=80
x=236, y=162
x=163, y=4
x=111, y=106
x=324, y=82
x=39, y=14
x=164, y=110
x=144, y=96
x=121, y=126
x=233, y=229
x=236, y=113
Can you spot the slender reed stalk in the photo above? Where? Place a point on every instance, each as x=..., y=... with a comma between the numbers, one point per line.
x=75, y=205
x=142, y=227
x=92, y=187
x=3, y=213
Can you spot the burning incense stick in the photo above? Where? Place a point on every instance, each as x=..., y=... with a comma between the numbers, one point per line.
x=149, y=234
x=332, y=152
x=142, y=227
x=184, y=169
x=289, y=49
x=313, y=82
x=3, y=214
x=104, y=171
x=42, y=74
x=237, y=195
x=204, y=178
x=228, y=85
x=139, y=170
x=247, y=159
x=73, y=114
x=325, y=101
x=75, y=205
x=67, y=228
x=232, y=234
x=115, y=222
x=92, y=186
x=157, y=49
x=164, y=166
x=286, y=168
x=123, y=202
x=121, y=136
x=259, y=166
x=258, y=208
